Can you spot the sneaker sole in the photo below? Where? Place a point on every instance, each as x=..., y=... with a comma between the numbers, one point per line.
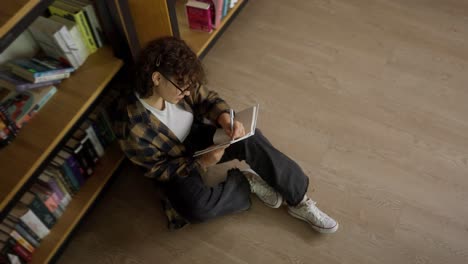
x=316, y=228
x=278, y=203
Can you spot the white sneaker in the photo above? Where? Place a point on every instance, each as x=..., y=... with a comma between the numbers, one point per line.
x=264, y=192
x=310, y=213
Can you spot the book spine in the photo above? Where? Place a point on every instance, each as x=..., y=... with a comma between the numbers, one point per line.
x=76, y=169
x=80, y=157
x=22, y=224
x=94, y=139
x=67, y=194
x=22, y=241
x=69, y=173
x=20, y=250
x=89, y=149
x=39, y=209
x=61, y=38
x=107, y=124
x=95, y=25
x=80, y=22
x=39, y=79
x=35, y=224
x=29, y=86
x=26, y=235
x=199, y=19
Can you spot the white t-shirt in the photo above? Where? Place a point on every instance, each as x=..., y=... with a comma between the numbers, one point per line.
x=174, y=117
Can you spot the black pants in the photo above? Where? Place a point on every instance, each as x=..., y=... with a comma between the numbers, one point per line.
x=198, y=202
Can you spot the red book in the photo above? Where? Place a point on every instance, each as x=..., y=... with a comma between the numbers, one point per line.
x=199, y=16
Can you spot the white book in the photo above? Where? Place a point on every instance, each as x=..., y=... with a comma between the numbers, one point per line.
x=55, y=39
x=94, y=139
x=82, y=51
x=248, y=117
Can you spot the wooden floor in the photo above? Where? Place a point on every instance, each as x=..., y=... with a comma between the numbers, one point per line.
x=369, y=97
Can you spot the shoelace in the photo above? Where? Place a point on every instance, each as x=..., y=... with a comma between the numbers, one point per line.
x=313, y=209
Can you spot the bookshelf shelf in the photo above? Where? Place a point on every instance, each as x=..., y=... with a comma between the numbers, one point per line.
x=199, y=41
x=43, y=133
x=12, y=12
x=79, y=205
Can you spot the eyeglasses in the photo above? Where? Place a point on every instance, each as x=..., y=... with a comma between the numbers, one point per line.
x=182, y=91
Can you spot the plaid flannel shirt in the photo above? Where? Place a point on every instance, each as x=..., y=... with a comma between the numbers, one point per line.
x=148, y=142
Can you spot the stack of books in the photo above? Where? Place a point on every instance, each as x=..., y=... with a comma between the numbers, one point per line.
x=39, y=209
x=66, y=38
x=206, y=15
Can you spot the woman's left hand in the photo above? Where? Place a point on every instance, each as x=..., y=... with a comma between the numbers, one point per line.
x=225, y=122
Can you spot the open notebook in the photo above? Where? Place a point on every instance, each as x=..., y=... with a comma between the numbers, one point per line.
x=248, y=117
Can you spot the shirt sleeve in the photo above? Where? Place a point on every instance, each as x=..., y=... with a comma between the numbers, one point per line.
x=143, y=151
x=209, y=104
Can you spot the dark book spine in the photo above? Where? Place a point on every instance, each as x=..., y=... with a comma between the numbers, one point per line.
x=26, y=235
x=27, y=229
x=39, y=209
x=90, y=151
x=20, y=250
x=76, y=169
x=78, y=153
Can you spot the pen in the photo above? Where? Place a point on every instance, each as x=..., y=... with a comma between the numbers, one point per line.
x=231, y=116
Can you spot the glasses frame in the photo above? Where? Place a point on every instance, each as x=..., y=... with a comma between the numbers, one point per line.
x=182, y=91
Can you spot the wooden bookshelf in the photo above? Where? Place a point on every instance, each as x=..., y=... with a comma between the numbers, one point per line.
x=79, y=204
x=197, y=40
x=38, y=138
x=12, y=12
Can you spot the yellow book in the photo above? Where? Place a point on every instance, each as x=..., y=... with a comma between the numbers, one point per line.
x=77, y=15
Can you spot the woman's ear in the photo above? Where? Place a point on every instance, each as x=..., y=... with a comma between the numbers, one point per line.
x=156, y=77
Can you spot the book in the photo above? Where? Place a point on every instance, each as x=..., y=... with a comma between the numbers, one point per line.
x=22, y=106
x=39, y=208
x=30, y=219
x=14, y=250
x=48, y=198
x=88, y=147
x=61, y=165
x=22, y=231
x=14, y=82
x=61, y=181
x=91, y=132
x=23, y=225
x=76, y=36
x=55, y=40
x=8, y=128
x=199, y=16
x=248, y=117
x=35, y=72
x=16, y=236
x=54, y=184
x=216, y=9
x=77, y=15
x=91, y=18
x=75, y=148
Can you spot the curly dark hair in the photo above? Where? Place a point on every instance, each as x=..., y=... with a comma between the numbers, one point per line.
x=172, y=57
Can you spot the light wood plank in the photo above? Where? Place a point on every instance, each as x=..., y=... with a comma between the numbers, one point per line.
x=197, y=40
x=79, y=205
x=40, y=136
x=12, y=12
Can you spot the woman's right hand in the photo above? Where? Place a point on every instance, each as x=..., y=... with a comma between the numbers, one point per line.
x=211, y=158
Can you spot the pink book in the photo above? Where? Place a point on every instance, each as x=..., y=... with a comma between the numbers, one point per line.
x=199, y=16
x=216, y=9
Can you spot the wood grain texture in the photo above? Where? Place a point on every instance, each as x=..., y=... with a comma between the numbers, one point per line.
x=198, y=40
x=151, y=19
x=40, y=136
x=369, y=97
x=12, y=11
